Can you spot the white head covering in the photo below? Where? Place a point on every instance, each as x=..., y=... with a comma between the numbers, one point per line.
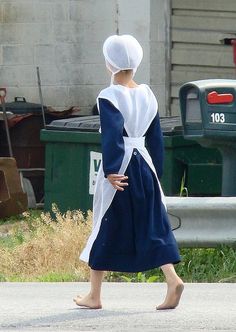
x=122, y=53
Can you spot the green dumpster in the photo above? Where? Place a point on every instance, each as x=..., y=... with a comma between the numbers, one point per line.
x=200, y=168
x=73, y=155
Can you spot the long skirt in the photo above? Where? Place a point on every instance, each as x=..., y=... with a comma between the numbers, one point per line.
x=135, y=234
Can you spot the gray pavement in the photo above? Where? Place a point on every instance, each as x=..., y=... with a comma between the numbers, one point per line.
x=126, y=307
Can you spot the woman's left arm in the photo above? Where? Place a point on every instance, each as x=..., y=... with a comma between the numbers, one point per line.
x=155, y=144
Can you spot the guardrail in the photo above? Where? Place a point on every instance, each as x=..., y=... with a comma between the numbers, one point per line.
x=203, y=221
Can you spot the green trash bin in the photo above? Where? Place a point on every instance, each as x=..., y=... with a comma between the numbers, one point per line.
x=199, y=168
x=72, y=149
x=73, y=155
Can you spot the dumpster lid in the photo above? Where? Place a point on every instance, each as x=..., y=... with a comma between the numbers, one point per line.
x=81, y=123
x=21, y=106
x=169, y=125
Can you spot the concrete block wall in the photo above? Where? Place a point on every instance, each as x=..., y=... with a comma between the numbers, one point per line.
x=160, y=15
x=64, y=38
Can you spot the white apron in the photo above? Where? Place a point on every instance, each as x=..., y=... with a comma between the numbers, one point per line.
x=136, y=125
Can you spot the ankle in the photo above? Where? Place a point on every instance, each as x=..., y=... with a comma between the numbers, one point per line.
x=173, y=280
x=94, y=296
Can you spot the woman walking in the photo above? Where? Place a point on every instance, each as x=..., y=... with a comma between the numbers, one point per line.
x=131, y=231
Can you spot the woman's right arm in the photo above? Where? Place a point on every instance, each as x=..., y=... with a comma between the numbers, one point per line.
x=112, y=126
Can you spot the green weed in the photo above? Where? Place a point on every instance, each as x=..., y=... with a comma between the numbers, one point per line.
x=139, y=277
x=197, y=265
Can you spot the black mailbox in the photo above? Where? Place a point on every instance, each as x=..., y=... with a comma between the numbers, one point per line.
x=208, y=111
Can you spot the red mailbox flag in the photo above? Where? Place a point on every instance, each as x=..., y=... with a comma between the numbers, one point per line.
x=219, y=98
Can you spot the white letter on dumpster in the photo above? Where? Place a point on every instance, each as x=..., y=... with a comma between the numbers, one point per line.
x=95, y=161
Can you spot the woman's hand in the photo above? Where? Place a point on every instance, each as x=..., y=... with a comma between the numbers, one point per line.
x=116, y=181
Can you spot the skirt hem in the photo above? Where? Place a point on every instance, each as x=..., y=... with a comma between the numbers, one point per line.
x=132, y=263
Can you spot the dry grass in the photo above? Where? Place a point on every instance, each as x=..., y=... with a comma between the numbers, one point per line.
x=47, y=246
x=34, y=247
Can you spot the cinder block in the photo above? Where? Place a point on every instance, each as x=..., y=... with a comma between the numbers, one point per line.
x=63, y=32
x=26, y=75
x=79, y=53
x=84, y=95
x=44, y=54
x=48, y=74
x=154, y=89
x=29, y=93
x=29, y=33
x=43, y=11
x=9, y=76
x=157, y=74
x=21, y=75
x=94, y=31
x=60, y=11
x=88, y=74
x=26, y=12
x=92, y=10
x=157, y=52
x=18, y=12
x=143, y=74
x=137, y=10
x=80, y=32
x=63, y=53
x=1, y=13
x=138, y=29
x=62, y=74
x=81, y=74
x=1, y=57
x=160, y=93
x=162, y=30
x=56, y=96
x=154, y=32
x=18, y=54
x=65, y=39
x=40, y=33
x=9, y=34
x=92, y=52
x=160, y=20
x=146, y=51
x=157, y=11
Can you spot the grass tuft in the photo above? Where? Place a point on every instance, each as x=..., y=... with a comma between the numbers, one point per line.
x=41, y=246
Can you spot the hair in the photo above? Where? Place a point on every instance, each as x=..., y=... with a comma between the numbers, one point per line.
x=127, y=71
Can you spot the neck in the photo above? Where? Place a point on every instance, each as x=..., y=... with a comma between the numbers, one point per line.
x=125, y=79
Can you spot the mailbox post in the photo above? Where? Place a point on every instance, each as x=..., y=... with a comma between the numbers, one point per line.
x=208, y=111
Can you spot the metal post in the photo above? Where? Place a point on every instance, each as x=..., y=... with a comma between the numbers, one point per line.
x=41, y=97
x=2, y=98
x=229, y=170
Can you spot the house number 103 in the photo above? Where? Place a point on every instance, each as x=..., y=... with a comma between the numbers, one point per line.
x=217, y=117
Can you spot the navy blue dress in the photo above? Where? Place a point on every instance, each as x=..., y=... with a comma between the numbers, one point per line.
x=135, y=233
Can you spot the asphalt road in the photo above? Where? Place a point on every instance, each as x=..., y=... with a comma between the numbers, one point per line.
x=127, y=307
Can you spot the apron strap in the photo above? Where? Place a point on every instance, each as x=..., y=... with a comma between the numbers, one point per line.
x=134, y=142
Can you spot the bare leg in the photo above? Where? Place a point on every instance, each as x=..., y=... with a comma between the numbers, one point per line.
x=93, y=299
x=175, y=288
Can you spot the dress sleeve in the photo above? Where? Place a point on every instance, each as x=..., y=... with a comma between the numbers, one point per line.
x=155, y=145
x=112, y=125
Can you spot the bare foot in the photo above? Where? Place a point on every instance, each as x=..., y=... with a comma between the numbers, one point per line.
x=88, y=302
x=174, y=292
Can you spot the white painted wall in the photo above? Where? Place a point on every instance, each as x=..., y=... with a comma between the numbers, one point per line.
x=64, y=38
